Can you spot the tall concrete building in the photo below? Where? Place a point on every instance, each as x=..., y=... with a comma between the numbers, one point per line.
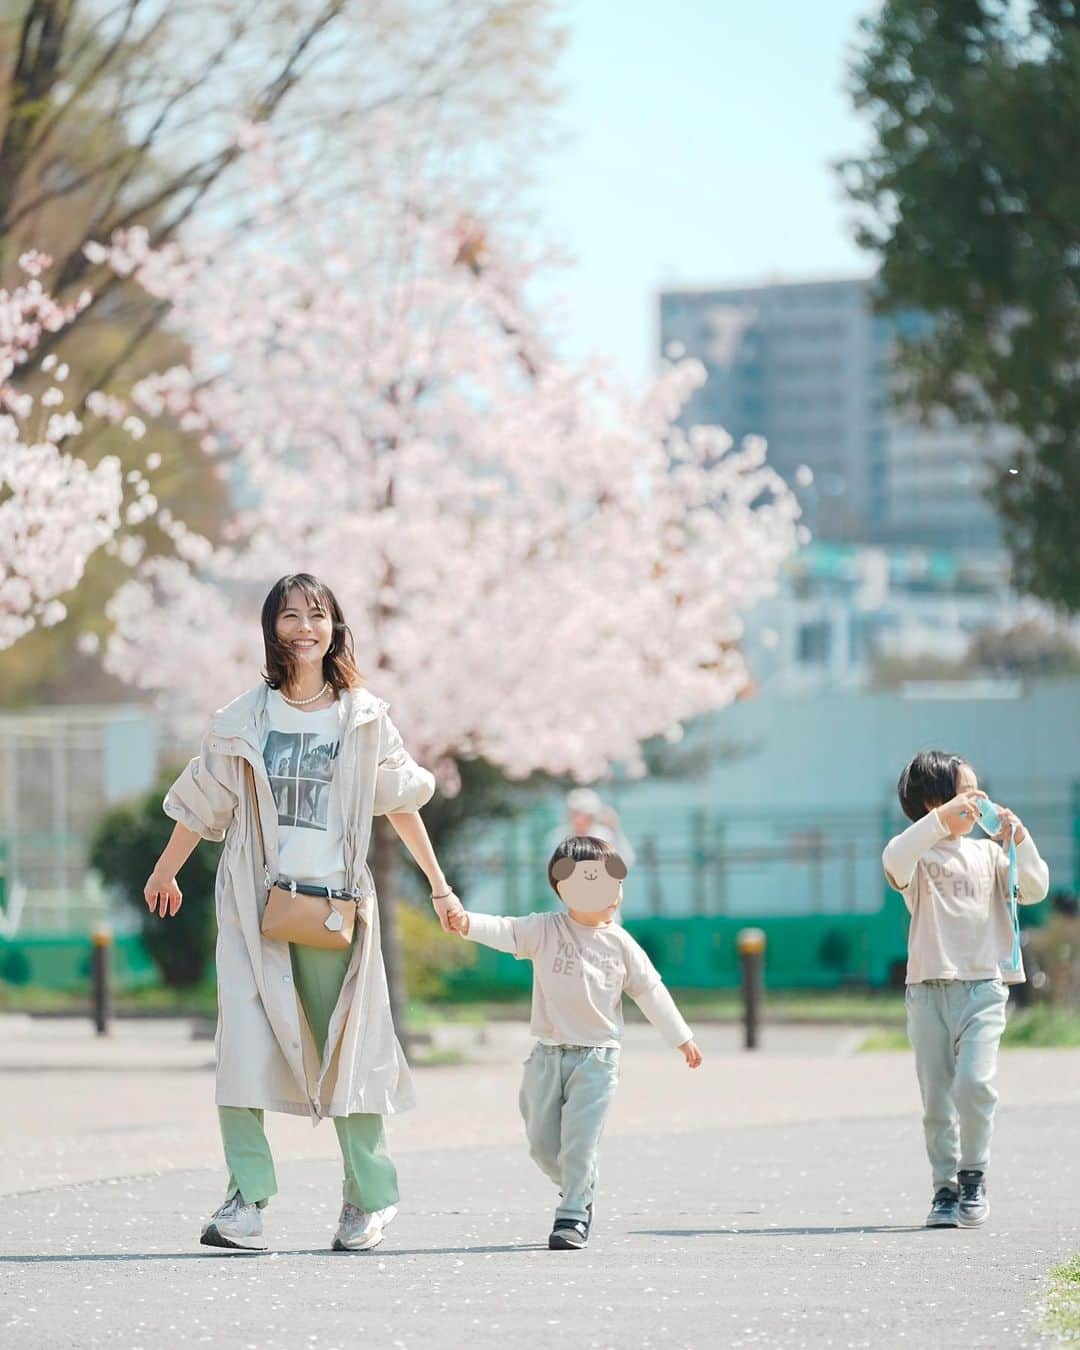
x=809, y=366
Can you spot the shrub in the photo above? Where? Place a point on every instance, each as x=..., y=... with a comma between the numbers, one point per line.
x=428, y=954
x=125, y=846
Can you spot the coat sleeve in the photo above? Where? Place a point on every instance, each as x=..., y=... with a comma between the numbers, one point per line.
x=203, y=799
x=400, y=783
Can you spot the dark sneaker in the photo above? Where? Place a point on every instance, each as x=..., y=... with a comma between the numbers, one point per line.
x=974, y=1206
x=945, y=1211
x=569, y=1235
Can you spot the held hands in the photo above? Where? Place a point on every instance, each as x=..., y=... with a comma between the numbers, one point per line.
x=459, y=923
x=162, y=895
x=450, y=911
x=690, y=1052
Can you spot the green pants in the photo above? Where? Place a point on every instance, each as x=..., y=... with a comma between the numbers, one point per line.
x=370, y=1177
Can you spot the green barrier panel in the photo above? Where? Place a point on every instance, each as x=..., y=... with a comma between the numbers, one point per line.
x=806, y=951
x=63, y=962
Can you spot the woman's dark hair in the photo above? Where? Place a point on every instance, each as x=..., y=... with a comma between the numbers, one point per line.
x=582, y=848
x=928, y=781
x=339, y=664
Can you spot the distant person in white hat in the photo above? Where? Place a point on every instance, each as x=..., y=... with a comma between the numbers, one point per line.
x=588, y=816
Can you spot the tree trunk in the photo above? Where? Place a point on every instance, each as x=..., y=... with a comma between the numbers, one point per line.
x=386, y=872
x=31, y=83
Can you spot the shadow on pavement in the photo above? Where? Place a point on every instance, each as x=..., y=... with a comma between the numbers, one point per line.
x=222, y=1253
x=781, y=1232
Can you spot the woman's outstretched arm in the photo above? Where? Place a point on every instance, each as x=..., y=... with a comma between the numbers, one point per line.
x=412, y=832
x=162, y=894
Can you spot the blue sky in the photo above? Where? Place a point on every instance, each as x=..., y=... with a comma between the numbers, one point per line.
x=700, y=134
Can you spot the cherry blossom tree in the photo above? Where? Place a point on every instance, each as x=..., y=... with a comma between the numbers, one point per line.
x=540, y=566
x=511, y=535
x=56, y=509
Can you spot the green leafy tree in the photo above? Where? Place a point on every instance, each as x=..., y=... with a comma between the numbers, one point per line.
x=125, y=846
x=972, y=202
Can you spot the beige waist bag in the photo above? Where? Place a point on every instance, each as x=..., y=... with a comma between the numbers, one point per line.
x=310, y=916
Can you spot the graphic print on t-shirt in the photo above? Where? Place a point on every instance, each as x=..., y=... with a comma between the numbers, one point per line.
x=301, y=767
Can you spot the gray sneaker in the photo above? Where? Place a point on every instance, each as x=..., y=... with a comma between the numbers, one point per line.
x=359, y=1230
x=235, y=1226
x=974, y=1206
x=944, y=1212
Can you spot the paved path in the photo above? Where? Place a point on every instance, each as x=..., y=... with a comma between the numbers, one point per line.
x=764, y=1201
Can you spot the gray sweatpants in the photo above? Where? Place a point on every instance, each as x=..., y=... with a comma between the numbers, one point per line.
x=565, y=1094
x=954, y=1027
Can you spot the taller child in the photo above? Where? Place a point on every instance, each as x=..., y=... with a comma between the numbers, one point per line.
x=960, y=964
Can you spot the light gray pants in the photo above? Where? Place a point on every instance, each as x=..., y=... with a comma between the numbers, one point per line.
x=954, y=1027
x=565, y=1094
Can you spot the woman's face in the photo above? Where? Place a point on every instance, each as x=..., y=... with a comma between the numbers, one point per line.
x=305, y=627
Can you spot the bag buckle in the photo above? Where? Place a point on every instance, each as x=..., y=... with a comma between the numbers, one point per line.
x=333, y=921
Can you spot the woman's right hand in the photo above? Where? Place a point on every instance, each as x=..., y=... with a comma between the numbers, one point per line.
x=959, y=815
x=162, y=895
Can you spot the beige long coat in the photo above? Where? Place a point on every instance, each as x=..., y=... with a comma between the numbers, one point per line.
x=266, y=1054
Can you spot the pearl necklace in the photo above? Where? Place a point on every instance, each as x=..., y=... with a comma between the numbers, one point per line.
x=300, y=702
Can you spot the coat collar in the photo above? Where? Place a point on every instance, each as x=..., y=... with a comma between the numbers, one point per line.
x=243, y=715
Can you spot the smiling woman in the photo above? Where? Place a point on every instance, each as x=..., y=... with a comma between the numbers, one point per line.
x=290, y=775
x=308, y=643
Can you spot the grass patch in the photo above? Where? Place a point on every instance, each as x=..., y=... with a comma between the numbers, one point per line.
x=1063, y=1301
x=436, y=1059
x=884, y=1038
x=1043, y=1027
x=1038, y=1028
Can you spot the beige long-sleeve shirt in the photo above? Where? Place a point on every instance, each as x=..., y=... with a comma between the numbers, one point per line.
x=957, y=891
x=579, y=975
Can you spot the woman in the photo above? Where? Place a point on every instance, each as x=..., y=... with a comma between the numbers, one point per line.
x=301, y=1029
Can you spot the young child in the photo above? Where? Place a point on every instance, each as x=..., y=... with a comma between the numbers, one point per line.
x=960, y=962
x=582, y=963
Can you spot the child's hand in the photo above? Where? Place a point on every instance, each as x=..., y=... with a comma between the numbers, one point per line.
x=691, y=1054
x=459, y=922
x=959, y=815
x=1012, y=828
x=446, y=906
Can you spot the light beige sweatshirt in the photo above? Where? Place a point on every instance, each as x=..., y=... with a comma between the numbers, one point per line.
x=579, y=974
x=957, y=891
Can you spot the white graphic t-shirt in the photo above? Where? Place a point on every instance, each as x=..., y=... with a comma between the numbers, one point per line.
x=300, y=753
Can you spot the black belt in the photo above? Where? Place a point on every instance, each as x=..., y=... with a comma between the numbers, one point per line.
x=305, y=888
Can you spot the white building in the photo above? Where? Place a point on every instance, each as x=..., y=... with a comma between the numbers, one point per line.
x=809, y=366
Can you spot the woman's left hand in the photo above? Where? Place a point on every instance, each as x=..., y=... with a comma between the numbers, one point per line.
x=445, y=906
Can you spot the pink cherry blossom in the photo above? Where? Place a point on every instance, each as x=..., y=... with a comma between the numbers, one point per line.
x=56, y=510
x=539, y=565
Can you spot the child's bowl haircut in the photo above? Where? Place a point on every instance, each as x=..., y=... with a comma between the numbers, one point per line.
x=583, y=848
x=928, y=781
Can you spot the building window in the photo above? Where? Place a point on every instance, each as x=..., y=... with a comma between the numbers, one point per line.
x=814, y=643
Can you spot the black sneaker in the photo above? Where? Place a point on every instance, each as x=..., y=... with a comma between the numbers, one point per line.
x=944, y=1212
x=974, y=1206
x=571, y=1234
x=568, y=1235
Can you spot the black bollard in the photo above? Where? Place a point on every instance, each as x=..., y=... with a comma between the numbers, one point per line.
x=750, y=943
x=101, y=939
